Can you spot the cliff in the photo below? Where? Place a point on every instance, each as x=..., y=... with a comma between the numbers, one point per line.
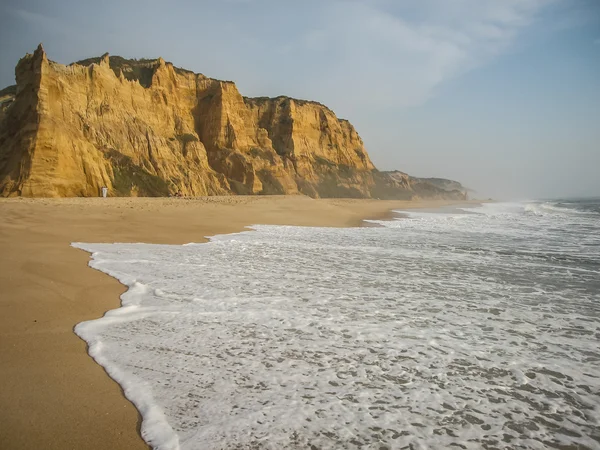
x=391, y=185
x=446, y=185
x=145, y=127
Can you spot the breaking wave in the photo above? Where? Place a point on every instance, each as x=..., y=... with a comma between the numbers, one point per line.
x=476, y=328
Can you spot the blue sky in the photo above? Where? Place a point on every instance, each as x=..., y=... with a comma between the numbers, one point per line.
x=502, y=95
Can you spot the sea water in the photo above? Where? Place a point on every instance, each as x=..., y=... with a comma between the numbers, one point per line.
x=467, y=328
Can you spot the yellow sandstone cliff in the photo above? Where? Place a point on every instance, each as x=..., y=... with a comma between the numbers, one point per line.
x=148, y=128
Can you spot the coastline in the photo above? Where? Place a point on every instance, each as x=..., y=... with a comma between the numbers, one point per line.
x=54, y=395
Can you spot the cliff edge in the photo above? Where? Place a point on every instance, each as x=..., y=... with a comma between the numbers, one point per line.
x=147, y=128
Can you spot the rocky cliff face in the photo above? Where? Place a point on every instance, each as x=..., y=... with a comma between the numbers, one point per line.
x=442, y=183
x=400, y=185
x=148, y=128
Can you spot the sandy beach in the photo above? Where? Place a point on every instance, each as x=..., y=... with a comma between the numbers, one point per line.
x=54, y=396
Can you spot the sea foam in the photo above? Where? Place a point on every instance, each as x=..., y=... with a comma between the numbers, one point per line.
x=477, y=328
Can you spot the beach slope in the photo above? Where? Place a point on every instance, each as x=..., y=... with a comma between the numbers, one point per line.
x=54, y=396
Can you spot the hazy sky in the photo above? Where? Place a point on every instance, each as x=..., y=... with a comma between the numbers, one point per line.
x=502, y=95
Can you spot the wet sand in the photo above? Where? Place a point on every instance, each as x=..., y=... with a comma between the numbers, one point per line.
x=53, y=395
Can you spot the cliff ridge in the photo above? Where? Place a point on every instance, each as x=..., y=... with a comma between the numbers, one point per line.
x=148, y=128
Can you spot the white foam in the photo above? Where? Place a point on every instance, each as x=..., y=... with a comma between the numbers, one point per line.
x=431, y=331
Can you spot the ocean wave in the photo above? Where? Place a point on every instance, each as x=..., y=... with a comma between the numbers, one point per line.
x=431, y=331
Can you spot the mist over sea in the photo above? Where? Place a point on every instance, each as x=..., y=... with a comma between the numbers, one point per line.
x=467, y=327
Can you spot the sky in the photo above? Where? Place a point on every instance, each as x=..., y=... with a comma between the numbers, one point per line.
x=501, y=95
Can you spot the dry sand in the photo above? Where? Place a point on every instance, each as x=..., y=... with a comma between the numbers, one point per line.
x=52, y=394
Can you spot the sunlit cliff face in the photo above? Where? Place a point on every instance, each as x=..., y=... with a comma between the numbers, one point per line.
x=148, y=128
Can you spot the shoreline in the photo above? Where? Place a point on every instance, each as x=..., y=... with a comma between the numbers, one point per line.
x=54, y=395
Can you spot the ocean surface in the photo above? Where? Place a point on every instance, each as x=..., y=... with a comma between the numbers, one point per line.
x=466, y=328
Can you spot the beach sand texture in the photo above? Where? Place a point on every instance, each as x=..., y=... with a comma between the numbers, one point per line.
x=54, y=396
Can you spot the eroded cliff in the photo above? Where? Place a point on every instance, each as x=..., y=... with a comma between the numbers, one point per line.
x=145, y=127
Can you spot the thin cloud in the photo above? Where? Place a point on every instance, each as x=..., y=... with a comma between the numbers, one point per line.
x=405, y=60
x=37, y=20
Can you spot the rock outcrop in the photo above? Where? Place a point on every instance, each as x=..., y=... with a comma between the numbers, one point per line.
x=400, y=185
x=446, y=185
x=145, y=127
